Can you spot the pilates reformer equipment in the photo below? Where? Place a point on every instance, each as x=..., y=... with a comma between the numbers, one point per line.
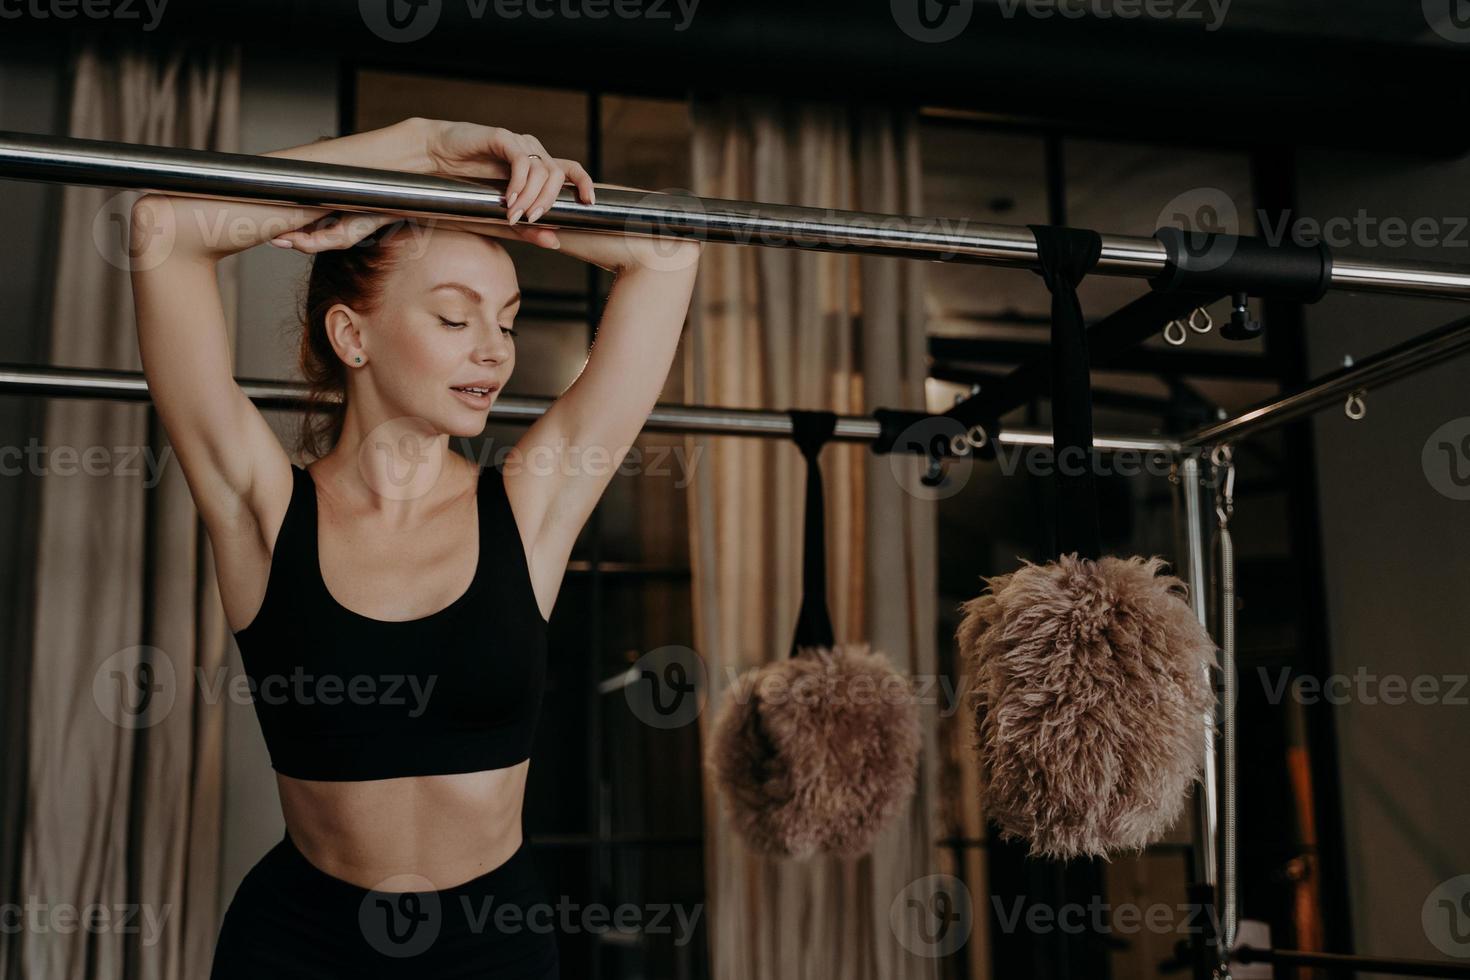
x=1188, y=271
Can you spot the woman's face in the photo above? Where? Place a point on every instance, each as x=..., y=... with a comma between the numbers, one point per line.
x=441, y=326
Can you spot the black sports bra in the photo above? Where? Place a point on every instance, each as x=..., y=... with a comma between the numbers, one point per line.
x=342, y=696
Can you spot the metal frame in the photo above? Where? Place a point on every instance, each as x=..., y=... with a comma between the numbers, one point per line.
x=17, y=379
x=243, y=177
x=1389, y=365
x=250, y=178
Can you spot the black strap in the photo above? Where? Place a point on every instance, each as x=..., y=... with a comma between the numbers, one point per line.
x=1067, y=255
x=1120, y=331
x=812, y=430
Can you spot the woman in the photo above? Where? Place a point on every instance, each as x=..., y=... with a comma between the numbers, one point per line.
x=390, y=599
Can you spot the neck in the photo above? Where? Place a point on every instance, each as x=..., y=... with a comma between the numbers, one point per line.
x=393, y=460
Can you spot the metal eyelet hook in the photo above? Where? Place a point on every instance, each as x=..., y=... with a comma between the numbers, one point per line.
x=1174, y=332
x=1221, y=457
x=976, y=436
x=959, y=444
x=1356, y=408
x=1209, y=321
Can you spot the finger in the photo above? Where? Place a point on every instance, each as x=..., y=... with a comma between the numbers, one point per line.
x=520, y=169
x=536, y=174
x=555, y=180
x=337, y=231
x=544, y=237
x=487, y=228
x=306, y=237
x=543, y=157
x=578, y=175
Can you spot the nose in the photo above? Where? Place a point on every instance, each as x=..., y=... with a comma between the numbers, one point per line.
x=494, y=348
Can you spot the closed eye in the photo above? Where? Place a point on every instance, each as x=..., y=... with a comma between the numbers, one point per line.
x=459, y=323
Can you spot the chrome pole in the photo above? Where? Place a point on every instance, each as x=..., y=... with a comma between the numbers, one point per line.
x=1389, y=365
x=1207, y=834
x=233, y=176
x=289, y=395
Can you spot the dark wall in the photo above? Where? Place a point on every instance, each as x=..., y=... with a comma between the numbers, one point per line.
x=1172, y=77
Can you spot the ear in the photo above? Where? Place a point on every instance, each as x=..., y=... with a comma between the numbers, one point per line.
x=344, y=332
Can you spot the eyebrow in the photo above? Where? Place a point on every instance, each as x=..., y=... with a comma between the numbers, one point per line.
x=474, y=295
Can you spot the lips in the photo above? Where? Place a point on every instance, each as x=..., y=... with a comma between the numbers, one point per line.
x=475, y=395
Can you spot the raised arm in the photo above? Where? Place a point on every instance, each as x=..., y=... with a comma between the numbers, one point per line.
x=227, y=451
x=565, y=460
x=238, y=473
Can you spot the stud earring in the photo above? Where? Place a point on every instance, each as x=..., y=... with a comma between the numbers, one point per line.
x=358, y=358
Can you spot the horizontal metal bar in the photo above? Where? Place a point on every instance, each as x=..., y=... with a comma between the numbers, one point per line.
x=233, y=176
x=48, y=382
x=1399, y=361
x=956, y=352
x=1350, y=963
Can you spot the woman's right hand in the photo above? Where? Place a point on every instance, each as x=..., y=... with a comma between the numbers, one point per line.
x=535, y=176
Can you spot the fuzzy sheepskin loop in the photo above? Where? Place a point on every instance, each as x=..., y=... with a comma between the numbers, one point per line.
x=816, y=753
x=1089, y=686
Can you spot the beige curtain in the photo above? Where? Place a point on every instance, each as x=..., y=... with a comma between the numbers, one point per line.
x=123, y=805
x=779, y=329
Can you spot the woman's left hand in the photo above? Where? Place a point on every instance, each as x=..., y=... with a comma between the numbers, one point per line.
x=610, y=250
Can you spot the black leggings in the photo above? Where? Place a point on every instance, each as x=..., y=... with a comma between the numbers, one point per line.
x=290, y=920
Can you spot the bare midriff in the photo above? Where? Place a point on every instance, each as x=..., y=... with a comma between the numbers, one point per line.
x=396, y=834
